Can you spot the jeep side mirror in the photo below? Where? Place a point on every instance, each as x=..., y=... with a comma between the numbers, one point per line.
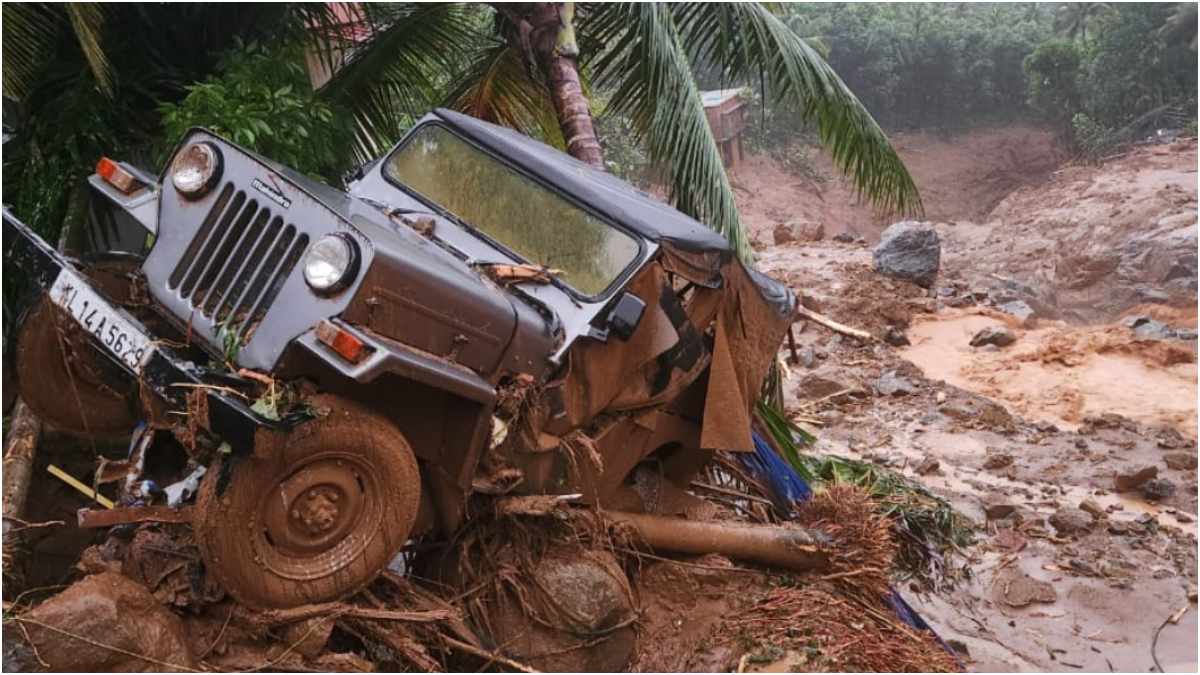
x=626, y=315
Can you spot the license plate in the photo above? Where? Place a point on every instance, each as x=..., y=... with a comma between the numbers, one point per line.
x=114, y=332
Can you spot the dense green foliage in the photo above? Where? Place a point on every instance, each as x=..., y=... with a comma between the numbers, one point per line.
x=1053, y=70
x=262, y=99
x=930, y=65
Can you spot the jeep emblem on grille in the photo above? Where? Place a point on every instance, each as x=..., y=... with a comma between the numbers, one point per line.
x=275, y=195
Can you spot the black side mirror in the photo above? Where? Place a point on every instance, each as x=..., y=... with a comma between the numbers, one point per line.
x=626, y=315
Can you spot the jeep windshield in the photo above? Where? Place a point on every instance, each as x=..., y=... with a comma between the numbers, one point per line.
x=512, y=210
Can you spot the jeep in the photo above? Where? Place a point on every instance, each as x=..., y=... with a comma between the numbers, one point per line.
x=477, y=315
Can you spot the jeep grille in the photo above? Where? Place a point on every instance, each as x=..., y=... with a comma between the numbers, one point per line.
x=236, y=263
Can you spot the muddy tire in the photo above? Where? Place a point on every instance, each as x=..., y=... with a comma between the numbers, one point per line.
x=64, y=381
x=313, y=517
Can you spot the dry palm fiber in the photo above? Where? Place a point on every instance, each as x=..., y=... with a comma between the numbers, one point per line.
x=864, y=550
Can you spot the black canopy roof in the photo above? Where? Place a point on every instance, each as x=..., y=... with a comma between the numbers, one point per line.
x=603, y=192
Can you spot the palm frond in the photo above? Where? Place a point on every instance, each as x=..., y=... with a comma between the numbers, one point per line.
x=87, y=20
x=647, y=67
x=394, y=75
x=30, y=33
x=750, y=44
x=498, y=87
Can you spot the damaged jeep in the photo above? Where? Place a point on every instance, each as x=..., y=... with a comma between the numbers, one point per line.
x=346, y=373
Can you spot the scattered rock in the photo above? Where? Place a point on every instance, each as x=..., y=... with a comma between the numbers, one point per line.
x=1132, y=479
x=1181, y=460
x=783, y=234
x=1083, y=567
x=940, y=397
x=1147, y=328
x=1018, y=589
x=896, y=337
x=1093, y=507
x=816, y=386
x=1021, y=311
x=848, y=238
x=1169, y=438
x=806, y=230
x=997, y=460
x=112, y=610
x=1184, y=518
x=999, y=510
x=959, y=648
x=1118, y=527
x=1158, y=489
x=909, y=250
x=891, y=384
x=1069, y=521
x=927, y=466
x=978, y=411
x=1081, y=444
x=807, y=357
x=1000, y=336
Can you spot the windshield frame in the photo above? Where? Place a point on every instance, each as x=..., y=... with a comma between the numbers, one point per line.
x=605, y=294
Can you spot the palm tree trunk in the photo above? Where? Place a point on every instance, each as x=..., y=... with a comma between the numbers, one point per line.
x=547, y=33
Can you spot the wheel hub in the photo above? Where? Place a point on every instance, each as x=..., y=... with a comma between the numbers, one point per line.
x=315, y=507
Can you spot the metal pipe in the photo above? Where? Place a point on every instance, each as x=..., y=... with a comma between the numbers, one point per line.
x=790, y=548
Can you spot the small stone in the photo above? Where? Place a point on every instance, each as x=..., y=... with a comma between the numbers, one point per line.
x=815, y=386
x=1093, y=507
x=1068, y=521
x=896, y=337
x=994, y=335
x=807, y=357
x=1081, y=444
x=806, y=230
x=1118, y=527
x=844, y=238
x=999, y=510
x=1083, y=567
x=997, y=460
x=1021, y=311
x=960, y=648
x=1126, y=481
x=1184, y=518
x=927, y=466
x=940, y=397
x=1181, y=460
x=1158, y=489
x=891, y=384
x=1169, y=438
x=1147, y=328
x=783, y=234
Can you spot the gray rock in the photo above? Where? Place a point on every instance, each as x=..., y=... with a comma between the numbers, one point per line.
x=896, y=337
x=1132, y=479
x=1020, y=310
x=1158, y=489
x=891, y=384
x=1181, y=460
x=808, y=358
x=845, y=238
x=1069, y=521
x=1147, y=328
x=909, y=250
x=993, y=335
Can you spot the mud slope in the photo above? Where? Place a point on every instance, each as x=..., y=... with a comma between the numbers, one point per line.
x=960, y=177
x=1093, y=241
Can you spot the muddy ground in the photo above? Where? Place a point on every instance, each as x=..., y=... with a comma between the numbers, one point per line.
x=1022, y=437
x=1068, y=572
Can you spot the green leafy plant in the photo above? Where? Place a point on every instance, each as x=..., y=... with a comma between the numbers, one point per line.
x=1053, y=70
x=262, y=99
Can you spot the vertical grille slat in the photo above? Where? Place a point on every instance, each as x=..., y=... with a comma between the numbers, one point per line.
x=236, y=263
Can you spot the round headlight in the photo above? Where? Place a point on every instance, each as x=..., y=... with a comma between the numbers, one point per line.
x=196, y=169
x=330, y=263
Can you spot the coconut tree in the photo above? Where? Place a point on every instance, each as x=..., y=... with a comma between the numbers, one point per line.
x=533, y=63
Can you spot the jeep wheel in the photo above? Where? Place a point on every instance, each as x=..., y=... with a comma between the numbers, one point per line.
x=64, y=380
x=314, y=517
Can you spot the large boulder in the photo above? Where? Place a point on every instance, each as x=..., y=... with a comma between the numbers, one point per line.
x=910, y=250
x=103, y=623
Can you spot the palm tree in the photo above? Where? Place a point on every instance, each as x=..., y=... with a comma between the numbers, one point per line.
x=529, y=66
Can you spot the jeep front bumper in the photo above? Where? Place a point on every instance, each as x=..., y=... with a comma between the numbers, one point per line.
x=126, y=341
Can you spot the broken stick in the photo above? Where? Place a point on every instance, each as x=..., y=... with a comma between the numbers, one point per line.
x=834, y=325
x=19, y=450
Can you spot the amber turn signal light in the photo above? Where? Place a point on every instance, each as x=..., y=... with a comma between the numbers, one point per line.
x=341, y=341
x=114, y=175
